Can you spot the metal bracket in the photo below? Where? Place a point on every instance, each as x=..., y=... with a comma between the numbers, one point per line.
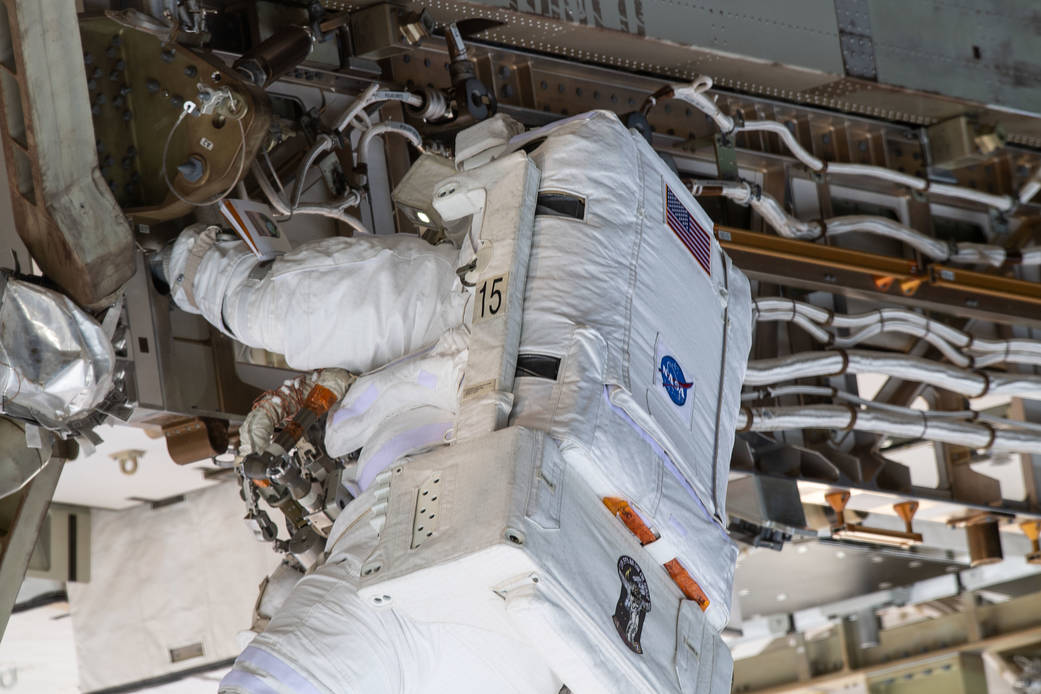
x=726, y=157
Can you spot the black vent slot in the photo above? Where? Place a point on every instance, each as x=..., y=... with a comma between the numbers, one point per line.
x=538, y=366
x=560, y=205
x=532, y=144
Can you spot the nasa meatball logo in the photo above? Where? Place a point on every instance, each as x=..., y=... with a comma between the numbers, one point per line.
x=673, y=381
x=634, y=603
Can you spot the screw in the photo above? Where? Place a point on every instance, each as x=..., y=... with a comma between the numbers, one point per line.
x=168, y=55
x=191, y=71
x=152, y=86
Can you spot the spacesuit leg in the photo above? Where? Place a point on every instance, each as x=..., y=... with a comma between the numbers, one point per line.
x=326, y=638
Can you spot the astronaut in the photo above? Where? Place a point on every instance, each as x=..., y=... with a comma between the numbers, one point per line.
x=631, y=329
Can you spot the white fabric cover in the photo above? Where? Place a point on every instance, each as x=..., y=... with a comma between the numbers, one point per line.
x=182, y=574
x=427, y=378
x=354, y=303
x=328, y=639
x=557, y=579
x=617, y=291
x=637, y=296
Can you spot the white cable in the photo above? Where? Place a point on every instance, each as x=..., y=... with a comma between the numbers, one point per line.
x=912, y=424
x=979, y=352
x=783, y=391
x=271, y=168
x=238, y=174
x=333, y=210
x=881, y=172
x=694, y=95
x=966, y=382
x=389, y=127
x=829, y=392
x=1030, y=188
x=363, y=100
x=790, y=227
x=779, y=129
x=323, y=144
x=1005, y=203
x=413, y=100
x=880, y=226
x=278, y=204
x=372, y=95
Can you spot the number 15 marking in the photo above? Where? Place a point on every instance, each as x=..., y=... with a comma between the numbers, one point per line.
x=491, y=298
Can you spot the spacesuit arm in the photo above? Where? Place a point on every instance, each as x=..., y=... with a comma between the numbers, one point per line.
x=352, y=303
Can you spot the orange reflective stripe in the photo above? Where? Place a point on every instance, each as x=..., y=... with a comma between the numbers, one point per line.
x=686, y=583
x=622, y=509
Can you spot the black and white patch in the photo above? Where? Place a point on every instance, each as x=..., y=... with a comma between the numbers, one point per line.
x=634, y=602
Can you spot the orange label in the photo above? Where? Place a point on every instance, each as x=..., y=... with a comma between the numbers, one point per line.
x=622, y=509
x=687, y=584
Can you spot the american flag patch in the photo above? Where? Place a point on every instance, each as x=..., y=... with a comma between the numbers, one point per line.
x=688, y=231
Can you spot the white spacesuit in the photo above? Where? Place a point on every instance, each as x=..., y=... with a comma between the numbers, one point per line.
x=575, y=534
